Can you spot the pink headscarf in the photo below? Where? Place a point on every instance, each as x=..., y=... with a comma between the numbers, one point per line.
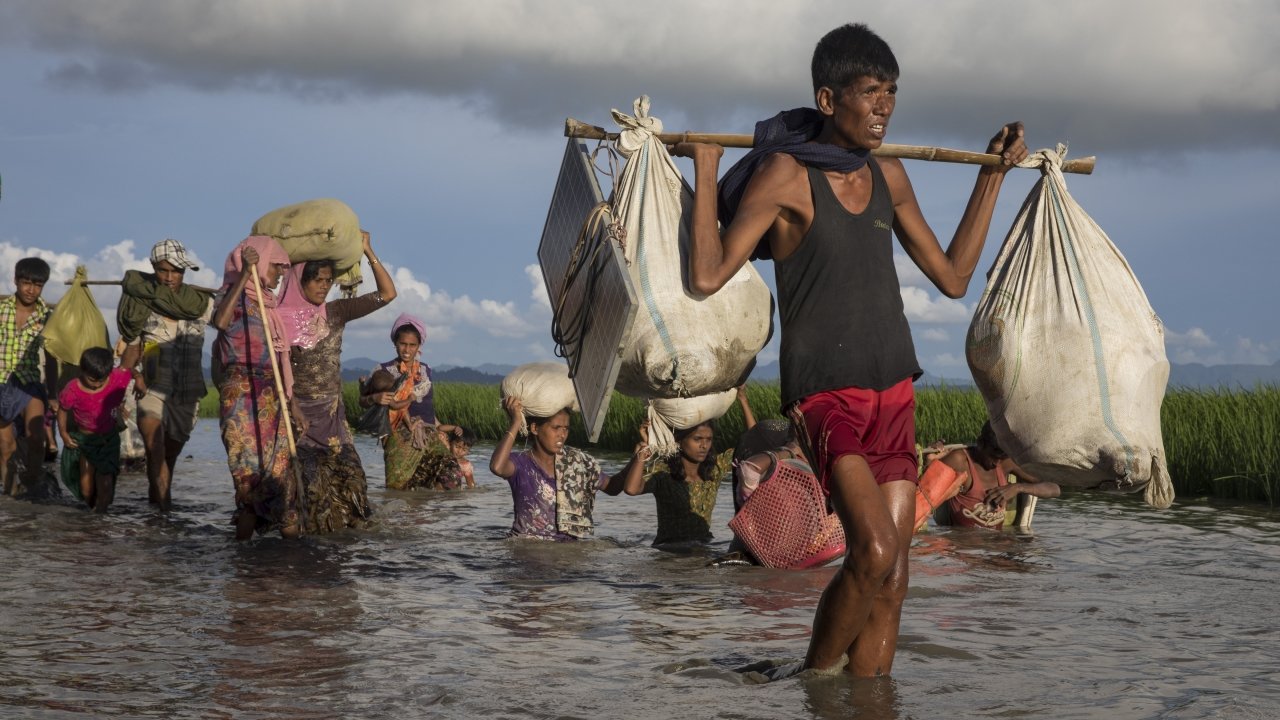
x=305, y=323
x=269, y=252
x=407, y=319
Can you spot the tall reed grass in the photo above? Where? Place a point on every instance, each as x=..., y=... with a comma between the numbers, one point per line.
x=1220, y=443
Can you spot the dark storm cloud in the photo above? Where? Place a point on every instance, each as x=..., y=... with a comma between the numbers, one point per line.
x=1144, y=78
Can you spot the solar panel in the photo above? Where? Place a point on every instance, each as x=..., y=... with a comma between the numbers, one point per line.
x=592, y=297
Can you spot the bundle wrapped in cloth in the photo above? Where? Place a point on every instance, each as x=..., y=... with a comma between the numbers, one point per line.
x=322, y=229
x=666, y=415
x=544, y=389
x=76, y=323
x=680, y=344
x=1068, y=353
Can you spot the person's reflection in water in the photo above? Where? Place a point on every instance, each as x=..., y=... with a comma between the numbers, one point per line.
x=290, y=611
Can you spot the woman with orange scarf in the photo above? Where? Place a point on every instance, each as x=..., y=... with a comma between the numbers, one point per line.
x=413, y=453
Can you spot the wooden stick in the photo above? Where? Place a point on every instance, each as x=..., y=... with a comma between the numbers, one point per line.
x=117, y=282
x=577, y=129
x=288, y=422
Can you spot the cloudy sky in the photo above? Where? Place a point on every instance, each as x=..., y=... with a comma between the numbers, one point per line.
x=127, y=121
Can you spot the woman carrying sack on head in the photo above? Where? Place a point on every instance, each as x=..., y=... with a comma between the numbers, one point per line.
x=335, y=488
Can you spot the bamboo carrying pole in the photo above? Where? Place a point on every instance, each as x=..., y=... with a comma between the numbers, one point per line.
x=288, y=422
x=578, y=129
x=118, y=282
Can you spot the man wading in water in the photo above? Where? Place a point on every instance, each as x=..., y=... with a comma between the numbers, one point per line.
x=810, y=197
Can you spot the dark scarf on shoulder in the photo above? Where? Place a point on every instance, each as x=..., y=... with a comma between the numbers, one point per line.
x=789, y=132
x=142, y=295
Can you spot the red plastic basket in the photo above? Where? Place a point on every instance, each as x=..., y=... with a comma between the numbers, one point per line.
x=785, y=523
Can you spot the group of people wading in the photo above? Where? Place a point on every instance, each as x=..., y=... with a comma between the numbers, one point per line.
x=276, y=364
x=809, y=197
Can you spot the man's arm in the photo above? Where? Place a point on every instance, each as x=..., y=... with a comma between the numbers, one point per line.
x=951, y=271
x=1027, y=485
x=713, y=258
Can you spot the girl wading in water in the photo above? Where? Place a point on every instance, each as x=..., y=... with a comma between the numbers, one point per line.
x=335, y=488
x=250, y=406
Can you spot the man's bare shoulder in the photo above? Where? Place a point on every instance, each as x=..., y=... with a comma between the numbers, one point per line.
x=893, y=169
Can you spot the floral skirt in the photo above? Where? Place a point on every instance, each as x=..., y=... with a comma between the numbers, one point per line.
x=257, y=448
x=415, y=457
x=336, y=494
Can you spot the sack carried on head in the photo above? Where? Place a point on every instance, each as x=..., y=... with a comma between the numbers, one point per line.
x=544, y=389
x=323, y=229
x=666, y=415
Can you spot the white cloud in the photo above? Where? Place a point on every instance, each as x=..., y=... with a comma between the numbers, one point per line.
x=949, y=361
x=1195, y=338
x=920, y=307
x=1197, y=346
x=448, y=319
x=539, y=290
x=935, y=335
x=909, y=275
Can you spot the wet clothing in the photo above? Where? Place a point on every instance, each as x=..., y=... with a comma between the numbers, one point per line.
x=418, y=386
x=555, y=508
x=879, y=426
x=97, y=411
x=177, y=417
x=969, y=509
x=336, y=491
x=685, y=506
x=416, y=458
x=102, y=450
x=22, y=348
x=172, y=353
x=839, y=300
x=250, y=412
x=15, y=396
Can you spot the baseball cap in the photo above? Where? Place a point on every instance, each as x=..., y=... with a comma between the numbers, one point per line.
x=172, y=252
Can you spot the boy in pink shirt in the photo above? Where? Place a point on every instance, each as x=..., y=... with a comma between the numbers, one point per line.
x=92, y=403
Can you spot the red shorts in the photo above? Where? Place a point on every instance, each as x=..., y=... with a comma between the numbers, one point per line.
x=879, y=426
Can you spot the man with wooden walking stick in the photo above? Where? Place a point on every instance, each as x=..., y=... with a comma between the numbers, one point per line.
x=810, y=198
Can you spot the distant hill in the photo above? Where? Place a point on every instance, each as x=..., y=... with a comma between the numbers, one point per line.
x=1191, y=375
x=1195, y=375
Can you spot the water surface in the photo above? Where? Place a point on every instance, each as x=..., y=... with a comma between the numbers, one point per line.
x=1109, y=610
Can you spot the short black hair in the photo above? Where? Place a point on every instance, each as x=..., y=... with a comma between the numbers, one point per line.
x=849, y=52
x=465, y=435
x=407, y=328
x=96, y=363
x=31, y=269
x=313, y=267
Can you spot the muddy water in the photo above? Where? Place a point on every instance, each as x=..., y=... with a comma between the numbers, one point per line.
x=1108, y=610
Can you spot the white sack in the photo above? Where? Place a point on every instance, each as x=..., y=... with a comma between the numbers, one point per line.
x=544, y=389
x=666, y=415
x=680, y=344
x=1068, y=353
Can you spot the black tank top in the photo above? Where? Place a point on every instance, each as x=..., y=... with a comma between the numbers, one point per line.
x=839, y=299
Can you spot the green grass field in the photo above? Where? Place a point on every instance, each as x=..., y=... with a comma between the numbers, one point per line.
x=1219, y=443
